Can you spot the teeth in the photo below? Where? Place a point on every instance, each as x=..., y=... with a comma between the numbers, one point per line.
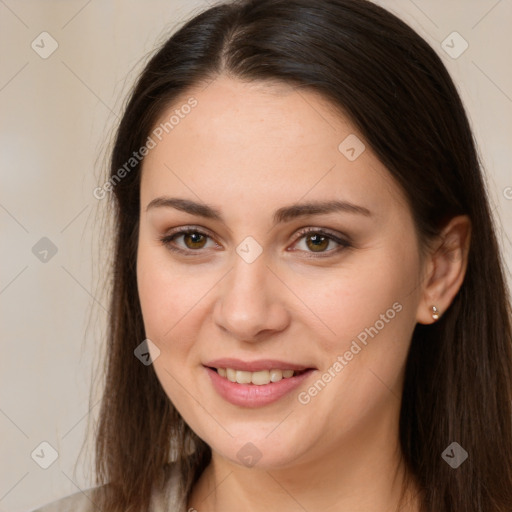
x=262, y=377
x=259, y=378
x=276, y=375
x=243, y=377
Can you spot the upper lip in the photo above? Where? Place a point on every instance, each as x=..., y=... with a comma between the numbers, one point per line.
x=255, y=366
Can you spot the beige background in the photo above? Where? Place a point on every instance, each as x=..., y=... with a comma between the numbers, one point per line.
x=57, y=115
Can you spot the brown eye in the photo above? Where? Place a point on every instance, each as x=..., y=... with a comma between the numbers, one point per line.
x=187, y=241
x=316, y=242
x=194, y=240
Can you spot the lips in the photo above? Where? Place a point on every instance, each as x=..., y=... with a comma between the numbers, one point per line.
x=255, y=383
x=256, y=366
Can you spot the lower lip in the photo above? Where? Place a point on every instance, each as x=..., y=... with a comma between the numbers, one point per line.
x=251, y=395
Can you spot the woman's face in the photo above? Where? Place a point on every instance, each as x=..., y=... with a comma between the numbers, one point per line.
x=272, y=279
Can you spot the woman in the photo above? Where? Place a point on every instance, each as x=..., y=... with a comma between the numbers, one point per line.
x=309, y=310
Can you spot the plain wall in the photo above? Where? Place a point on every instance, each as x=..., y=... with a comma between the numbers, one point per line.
x=57, y=115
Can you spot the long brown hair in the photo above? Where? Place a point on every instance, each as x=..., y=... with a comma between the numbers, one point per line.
x=397, y=92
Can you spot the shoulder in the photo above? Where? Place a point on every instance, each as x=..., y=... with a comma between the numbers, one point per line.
x=81, y=501
x=171, y=497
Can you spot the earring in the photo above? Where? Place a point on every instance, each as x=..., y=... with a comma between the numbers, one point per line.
x=435, y=313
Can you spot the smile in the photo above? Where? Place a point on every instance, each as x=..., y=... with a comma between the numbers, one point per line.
x=259, y=378
x=255, y=384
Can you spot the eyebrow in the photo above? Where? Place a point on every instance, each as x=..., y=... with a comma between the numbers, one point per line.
x=281, y=215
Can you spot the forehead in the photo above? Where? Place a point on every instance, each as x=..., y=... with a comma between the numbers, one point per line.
x=250, y=141
x=251, y=114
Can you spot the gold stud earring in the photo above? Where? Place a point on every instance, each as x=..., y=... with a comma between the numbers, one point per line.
x=435, y=313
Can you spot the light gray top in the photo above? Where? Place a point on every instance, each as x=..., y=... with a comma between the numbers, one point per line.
x=167, y=500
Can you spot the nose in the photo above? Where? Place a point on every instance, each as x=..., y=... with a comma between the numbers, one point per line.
x=251, y=303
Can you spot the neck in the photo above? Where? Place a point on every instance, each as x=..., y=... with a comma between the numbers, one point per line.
x=365, y=473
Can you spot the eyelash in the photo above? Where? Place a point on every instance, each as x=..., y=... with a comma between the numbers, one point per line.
x=344, y=244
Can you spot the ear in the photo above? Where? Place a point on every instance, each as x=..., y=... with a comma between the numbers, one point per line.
x=445, y=268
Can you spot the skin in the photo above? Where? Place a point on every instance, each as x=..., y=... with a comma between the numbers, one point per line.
x=249, y=149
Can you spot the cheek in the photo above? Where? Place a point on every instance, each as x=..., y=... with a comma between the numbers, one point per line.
x=371, y=289
x=167, y=306
x=173, y=299
x=371, y=308
x=162, y=294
